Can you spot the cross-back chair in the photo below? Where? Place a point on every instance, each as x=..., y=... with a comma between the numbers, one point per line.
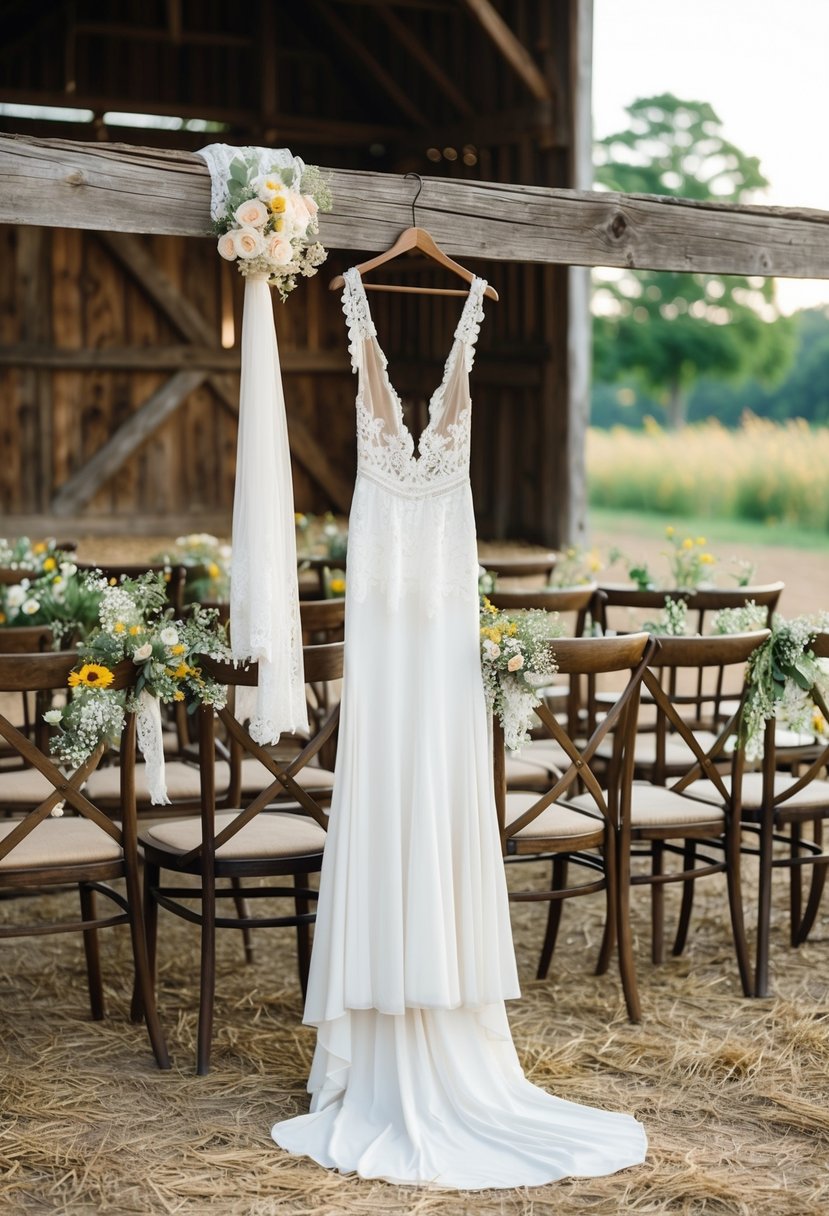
x=259, y=838
x=84, y=846
x=565, y=826
x=696, y=817
x=25, y=639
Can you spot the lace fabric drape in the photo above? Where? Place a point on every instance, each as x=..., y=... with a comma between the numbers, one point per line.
x=264, y=597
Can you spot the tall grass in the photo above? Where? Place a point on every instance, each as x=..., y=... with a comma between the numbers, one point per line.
x=764, y=471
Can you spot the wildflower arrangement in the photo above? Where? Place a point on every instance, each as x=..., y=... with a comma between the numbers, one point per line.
x=747, y=618
x=58, y=596
x=673, y=622
x=207, y=562
x=516, y=662
x=637, y=572
x=689, y=562
x=30, y=557
x=575, y=567
x=323, y=536
x=786, y=681
x=268, y=225
x=134, y=625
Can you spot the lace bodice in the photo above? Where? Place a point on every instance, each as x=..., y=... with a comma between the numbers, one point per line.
x=386, y=450
x=412, y=526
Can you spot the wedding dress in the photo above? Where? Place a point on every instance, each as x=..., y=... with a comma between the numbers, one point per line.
x=415, y=1078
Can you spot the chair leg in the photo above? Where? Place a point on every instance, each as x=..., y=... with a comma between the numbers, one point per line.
x=150, y=909
x=610, y=926
x=761, y=977
x=554, y=910
x=143, y=981
x=657, y=903
x=207, y=988
x=733, y=874
x=816, y=886
x=627, y=964
x=688, y=861
x=795, y=893
x=93, y=957
x=303, y=934
x=243, y=912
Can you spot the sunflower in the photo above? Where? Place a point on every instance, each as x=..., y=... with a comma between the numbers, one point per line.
x=93, y=675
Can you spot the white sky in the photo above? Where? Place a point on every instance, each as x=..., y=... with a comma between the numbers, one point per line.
x=762, y=64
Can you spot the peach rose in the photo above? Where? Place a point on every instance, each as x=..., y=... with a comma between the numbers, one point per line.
x=226, y=247
x=248, y=242
x=252, y=214
x=279, y=251
x=515, y=663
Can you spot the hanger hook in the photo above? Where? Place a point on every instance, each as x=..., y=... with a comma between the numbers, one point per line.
x=417, y=196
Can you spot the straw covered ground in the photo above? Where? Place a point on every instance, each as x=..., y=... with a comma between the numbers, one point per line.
x=734, y=1093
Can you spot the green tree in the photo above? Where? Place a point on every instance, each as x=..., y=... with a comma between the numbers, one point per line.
x=670, y=328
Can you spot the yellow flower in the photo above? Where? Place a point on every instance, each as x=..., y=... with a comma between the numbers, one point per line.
x=134, y=630
x=213, y=570
x=40, y=547
x=2, y=618
x=178, y=695
x=669, y=531
x=706, y=558
x=700, y=540
x=278, y=225
x=337, y=585
x=181, y=671
x=93, y=675
x=49, y=564
x=119, y=627
x=818, y=722
x=113, y=582
x=179, y=648
x=687, y=543
x=512, y=629
x=278, y=204
x=493, y=633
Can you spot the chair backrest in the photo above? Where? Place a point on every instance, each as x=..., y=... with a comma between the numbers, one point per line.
x=323, y=663
x=577, y=602
x=26, y=639
x=589, y=657
x=521, y=565
x=322, y=620
x=679, y=704
x=49, y=672
x=623, y=606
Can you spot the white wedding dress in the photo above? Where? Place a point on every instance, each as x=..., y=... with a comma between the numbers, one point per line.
x=415, y=1078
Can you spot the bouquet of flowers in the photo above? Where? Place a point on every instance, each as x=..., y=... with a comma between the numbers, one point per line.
x=135, y=626
x=516, y=661
x=57, y=596
x=207, y=561
x=786, y=682
x=268, y=224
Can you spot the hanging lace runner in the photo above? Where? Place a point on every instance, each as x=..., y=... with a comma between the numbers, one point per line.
x=264, y=597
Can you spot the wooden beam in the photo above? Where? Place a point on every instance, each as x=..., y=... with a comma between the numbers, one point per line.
x=123, y=188
x=512, y=49
x=87, y=480
x=356, y=47
x=426, y=59
x=162, y=358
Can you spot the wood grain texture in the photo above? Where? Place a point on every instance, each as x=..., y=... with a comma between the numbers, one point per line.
x=123, y=188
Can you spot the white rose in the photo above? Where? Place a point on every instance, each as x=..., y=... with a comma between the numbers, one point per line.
x=67, y=569
x=311, y=205
x=224, y=550
x=491, y=650
x=252, y=214
x=15, y=596
x=31, y=606
x=169, y=636
x=279, y=251
x=143, y=653
x=226, y=247
x=53, y=716
x=515, y=663
x=248, y=242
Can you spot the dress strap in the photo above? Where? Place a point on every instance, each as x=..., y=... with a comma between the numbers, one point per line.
x=357, y=316
x=469, y=325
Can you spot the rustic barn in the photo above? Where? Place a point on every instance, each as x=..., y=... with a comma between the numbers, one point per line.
x=118, y=372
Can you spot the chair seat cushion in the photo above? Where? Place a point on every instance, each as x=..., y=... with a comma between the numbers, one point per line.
x=815, y=794
x=555, y=822
x=59, y=841
x=677, y=751
x=267, y=835
x=183, y=781
x=256, y=777
x=23, y=787
x=654, y=806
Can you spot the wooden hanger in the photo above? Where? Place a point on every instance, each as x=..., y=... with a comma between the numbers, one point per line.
x=421, y=239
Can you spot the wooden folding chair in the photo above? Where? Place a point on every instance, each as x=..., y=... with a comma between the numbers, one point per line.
x=84, y=847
